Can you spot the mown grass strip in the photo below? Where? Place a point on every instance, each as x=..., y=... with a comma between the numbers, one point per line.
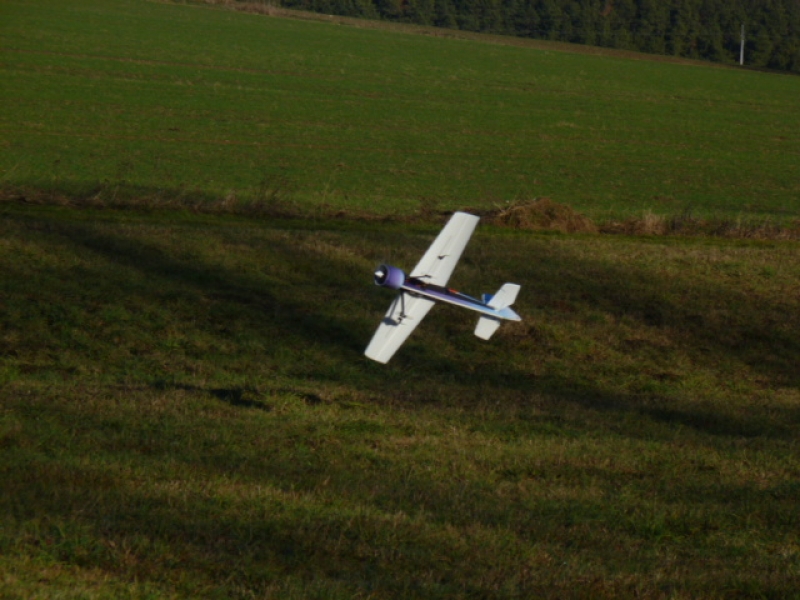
x=152, y=101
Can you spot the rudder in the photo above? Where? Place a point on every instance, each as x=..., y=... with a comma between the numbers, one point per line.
x=505, y=296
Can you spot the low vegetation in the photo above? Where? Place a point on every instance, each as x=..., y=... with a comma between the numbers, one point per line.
x=186, y=412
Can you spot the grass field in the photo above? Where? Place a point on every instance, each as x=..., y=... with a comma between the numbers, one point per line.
x=185, y=410
x=130, y=99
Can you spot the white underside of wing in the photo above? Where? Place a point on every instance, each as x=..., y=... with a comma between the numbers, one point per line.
x=403, y=316
x=438, y=263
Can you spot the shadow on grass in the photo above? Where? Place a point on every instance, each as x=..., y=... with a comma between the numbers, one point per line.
x=255, y=305
x=247, y=519
x=238, y=397
x=291, y=504
x=312, y=308
x=721, y=322
x=543, y=404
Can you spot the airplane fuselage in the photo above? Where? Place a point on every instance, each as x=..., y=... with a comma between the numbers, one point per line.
x=438, y=293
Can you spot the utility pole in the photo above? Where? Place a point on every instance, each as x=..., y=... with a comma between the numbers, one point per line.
x=741, y=48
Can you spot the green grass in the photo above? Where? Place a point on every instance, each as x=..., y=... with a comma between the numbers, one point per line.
x=185, y=412
x=185, y=409
x=133, y=101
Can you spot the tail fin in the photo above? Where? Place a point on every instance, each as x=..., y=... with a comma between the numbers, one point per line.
x=505, y=296
x=501, y=301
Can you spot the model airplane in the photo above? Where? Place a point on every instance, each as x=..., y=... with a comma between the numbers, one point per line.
x=425, y=286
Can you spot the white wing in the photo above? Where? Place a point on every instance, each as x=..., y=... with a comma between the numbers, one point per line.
x=441, y=258
x=404, y=315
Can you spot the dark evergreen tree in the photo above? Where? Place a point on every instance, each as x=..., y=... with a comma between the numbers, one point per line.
x=526, y=20
x=390, y=9
x=707, y=29
x=444, y=14
x=422, y=12
x=652, y=17
x=550, y=19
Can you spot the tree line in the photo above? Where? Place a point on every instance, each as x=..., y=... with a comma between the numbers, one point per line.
x=703, y=29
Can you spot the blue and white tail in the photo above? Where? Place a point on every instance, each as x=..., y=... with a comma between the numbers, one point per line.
x=501, y=302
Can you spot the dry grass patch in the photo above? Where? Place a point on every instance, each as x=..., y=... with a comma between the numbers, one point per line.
x=650, y=223
x=542, y=214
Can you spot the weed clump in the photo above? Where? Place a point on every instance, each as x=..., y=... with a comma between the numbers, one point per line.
x=543, y=214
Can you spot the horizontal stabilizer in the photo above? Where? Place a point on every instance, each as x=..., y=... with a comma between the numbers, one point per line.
x=505, y=296
x=486, y=327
